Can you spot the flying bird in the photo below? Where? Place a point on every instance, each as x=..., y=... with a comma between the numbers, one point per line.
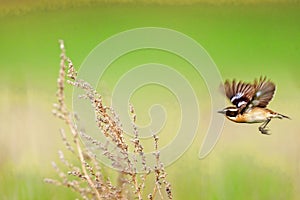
x=250, y=102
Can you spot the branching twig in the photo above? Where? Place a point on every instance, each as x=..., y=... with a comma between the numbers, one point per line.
x=90, y=182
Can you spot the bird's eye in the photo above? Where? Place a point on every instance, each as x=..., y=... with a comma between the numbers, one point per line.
x=231, y=113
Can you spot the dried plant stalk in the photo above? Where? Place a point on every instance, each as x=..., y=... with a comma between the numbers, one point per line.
x=88, y=179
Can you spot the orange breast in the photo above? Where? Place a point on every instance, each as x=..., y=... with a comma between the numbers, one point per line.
x=255, y=115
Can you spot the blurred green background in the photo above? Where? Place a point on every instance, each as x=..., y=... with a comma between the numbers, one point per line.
x=245, y=40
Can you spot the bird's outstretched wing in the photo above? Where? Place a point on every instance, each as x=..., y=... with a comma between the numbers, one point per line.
x=264, y=92
x=239, y=93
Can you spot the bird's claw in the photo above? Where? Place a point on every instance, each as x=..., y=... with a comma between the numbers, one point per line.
x=264, y=130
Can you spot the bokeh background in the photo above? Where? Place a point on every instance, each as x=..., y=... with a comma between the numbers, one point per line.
x=245, y=40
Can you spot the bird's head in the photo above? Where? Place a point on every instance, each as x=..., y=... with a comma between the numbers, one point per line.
x=230, y=112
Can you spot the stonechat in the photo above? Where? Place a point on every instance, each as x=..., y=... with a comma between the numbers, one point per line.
x=250, y=102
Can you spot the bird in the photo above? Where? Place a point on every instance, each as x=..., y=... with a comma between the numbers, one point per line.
x=250, y=102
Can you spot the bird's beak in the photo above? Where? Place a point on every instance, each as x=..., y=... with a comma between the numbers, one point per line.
x=222, y=111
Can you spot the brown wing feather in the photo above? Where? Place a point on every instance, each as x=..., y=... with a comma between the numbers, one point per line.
x=240, y=94
x=264, y=92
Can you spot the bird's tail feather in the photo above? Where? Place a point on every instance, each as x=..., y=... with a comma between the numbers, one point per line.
x=281, y=116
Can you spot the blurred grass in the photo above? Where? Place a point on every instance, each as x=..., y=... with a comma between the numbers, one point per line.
x=245, y=41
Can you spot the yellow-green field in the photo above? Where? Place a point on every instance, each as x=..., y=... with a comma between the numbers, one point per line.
x=245, y=41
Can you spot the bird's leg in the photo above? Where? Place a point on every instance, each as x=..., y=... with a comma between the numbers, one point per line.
x=262, y=128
